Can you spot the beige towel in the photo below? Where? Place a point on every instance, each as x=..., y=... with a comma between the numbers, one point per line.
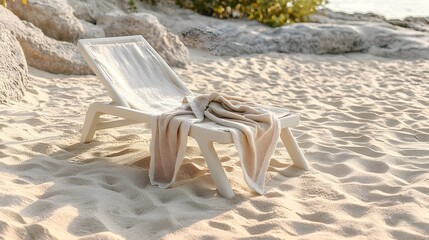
x=255, y=132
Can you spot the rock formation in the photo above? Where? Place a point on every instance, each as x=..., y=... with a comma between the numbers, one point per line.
x=85, y=9
x=64, y=22
x=166, y=43
x=55, y=18
x=43, y=52
x=329, y=33
x=201, y=37
x=416, y=23
x=71, y=20
x=13, y=68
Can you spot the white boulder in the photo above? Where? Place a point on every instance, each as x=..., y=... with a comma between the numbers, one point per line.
x=91, y=10
x=13, y=68
x=56, y=19
x=166, y=43
x=43, y=52
x=85, y=9
x=50, y=55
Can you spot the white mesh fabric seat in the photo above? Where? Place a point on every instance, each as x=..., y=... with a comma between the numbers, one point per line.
x=134, y=75
x=134, y=72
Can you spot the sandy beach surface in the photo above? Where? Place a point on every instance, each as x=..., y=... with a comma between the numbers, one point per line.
x=364, y=130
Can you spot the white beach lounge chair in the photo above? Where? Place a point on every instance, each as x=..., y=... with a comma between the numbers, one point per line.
x=128, y=66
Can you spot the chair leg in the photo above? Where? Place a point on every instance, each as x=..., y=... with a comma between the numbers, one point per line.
x=90, y=126
x=216, y=169
x=293, y=149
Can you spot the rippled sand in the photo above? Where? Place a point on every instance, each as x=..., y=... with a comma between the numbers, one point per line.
x=364, y=131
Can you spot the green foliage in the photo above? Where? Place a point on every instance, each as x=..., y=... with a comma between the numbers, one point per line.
x=271, y=12
x=4, y=2
x=205, y=7
x=132, y=4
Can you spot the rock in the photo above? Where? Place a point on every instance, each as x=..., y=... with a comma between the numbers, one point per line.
x=416, y=23
x=297, y=38
x=380, y=39
x=50, y=55
x=106, y=6
x=91, y=10
x=13, y=68
x=166, y=43
x=332, y=33
x=85, y=9
x=328, y=16
x=204, y=38
x=394, y=42
x=55, y=18
x=43, y=52
x=255, y=38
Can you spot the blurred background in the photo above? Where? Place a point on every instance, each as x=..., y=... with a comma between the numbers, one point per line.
x=388, y=8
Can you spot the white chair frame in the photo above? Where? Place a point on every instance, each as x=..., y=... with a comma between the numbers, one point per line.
x=204, y=133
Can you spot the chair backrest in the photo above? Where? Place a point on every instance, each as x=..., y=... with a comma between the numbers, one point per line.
x=133, y=73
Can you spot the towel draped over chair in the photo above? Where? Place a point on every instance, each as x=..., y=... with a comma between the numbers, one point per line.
x=255, y=132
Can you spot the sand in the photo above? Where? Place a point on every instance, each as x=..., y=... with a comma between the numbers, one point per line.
x=364, y=131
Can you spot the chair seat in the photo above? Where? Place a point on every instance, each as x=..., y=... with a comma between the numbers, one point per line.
x=221, y=134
